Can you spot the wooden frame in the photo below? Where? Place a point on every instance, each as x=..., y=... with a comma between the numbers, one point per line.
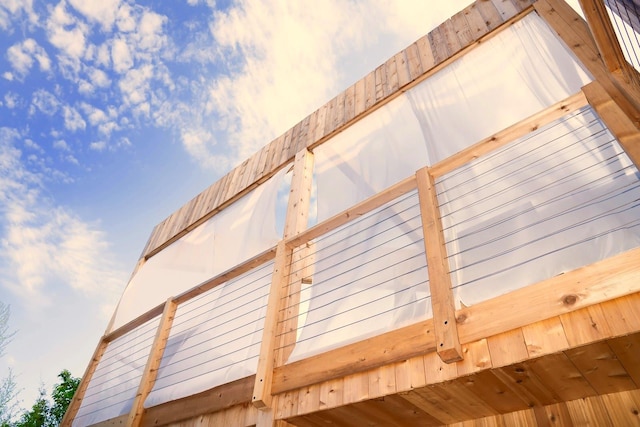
x=390, y=362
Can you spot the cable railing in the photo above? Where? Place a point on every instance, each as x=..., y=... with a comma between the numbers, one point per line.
x=625, y=18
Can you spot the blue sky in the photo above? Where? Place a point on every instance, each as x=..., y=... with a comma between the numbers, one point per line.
x=114, y=113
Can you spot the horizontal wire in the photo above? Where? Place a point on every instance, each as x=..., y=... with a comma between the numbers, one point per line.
x=574, y=208
x=364, y=304
x=126, y=364
x=360, y=266
x=102, y=408
x=134, y=334
x=119, y=384
x=527, y=179
x=513, y=145
x=356, y=322
x=626, y=226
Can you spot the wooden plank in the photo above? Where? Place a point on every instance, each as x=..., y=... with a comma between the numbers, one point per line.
x=622, y=314
x=350, y=103
x=492, y=17
x=436, y=371
x=320, y=123
x=118, y=421
x=525, y=383
x=510, y=134
x=402, y=69
x=381, y=82
x=556, y=414
x=590, y=411
x=360, y=96
x=356, y=387
x=522, y=419
x=462, y=28
x=76, y=400
x=444, y=318
x=309, y=399
x=450, y=34
x=507, y=348
x=522, y=5
x=616, y=120
x=331, y=393
x=287, y=405
x=438, y=45
x=476, y=358
x=559, y=374
x=493, y=391
x=150, y=371
x=627, y=351
x=413, y=61
x=213, y=400
x=338, y=119
x=138, y=321
x=356, y=211
x=387, y=348
x=604, y=35
x=382, y=381
x=623, y=408
x=585, y=326
x=410, y=374
x=329, y=124
x=263, y=382
x=505, y=8
x=289, y=143
x=545, y=337
x=601, y=368
x=394, y=411
x=427, y=401
x=601, y=281
x=475, y=22
x=393, y=84
x=369, y=90
x=427, y=59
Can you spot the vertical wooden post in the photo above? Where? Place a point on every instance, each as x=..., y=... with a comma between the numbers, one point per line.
x=605, y=37
x=616, y=120
x=285, y=289
x=76, y=402
x=153, y=363
x=444, y=315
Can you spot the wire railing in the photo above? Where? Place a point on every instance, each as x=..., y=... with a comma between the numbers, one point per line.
x=625, y=18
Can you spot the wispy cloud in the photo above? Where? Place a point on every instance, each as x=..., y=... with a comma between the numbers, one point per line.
x=43, y=243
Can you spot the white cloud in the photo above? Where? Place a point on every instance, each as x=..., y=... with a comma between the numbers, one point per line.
x=22, y=56
x=7, y=75
x=99, y=77
x=45, y=101
x=11, y=100
x=73, y=121
x=102, y=11
x=43, y=243
x=150, y=36
x=98, y=145
x=11, y=11
x=121, y=55
x=62, y=145
x=135, y=85
x=66, y=32
x=125, y=21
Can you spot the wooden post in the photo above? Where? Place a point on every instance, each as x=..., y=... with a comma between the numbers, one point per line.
x=76, y=402
x=444, y=316
x=153, y=363
x=605, y=37
x=616, y=120
x=285, y=290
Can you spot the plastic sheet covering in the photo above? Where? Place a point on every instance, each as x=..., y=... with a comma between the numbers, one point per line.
x=215, y=338
x=371, y=277
x=558, y=199
x=238, y=232
x=515, y=74
x=115, y=382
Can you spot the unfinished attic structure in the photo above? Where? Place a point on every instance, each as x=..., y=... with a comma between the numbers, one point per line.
x=453, y=240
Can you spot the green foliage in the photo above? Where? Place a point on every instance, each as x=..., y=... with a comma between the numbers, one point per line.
x=45, y=413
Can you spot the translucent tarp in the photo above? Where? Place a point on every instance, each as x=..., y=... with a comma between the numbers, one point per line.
x=370, y=277
x=517, y=73
x=215, y=338
x=561, y=198
x=240, y=231
x=115, y=381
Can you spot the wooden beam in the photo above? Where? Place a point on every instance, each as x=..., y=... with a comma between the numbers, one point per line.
x=153, y=363
x=508, y=135
x=262, y=387
x=605, y=37
x=285, y=290
x=76, y=401
x=444, y=316
x=615, y=119
x=212, y=400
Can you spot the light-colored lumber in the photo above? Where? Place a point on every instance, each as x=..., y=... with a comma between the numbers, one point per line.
x=558, y=373
x=154, y=359
x=444, y=318
x=402, y=68
x=622, y=314
x=382, y=381
x=410, y=374
x=627, y=351
x=118, y=421
x=545, y=337
x=370, y=90
x=589, y=411
x=507, y=348
x=585, y=325
x=76, y=401
x=490, y=389
x=355, y=388
x=413, y=61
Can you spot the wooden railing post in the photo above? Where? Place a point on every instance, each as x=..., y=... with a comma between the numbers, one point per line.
x=76, y=402
x=444, y=315
x=285, y=285
x=153, y=363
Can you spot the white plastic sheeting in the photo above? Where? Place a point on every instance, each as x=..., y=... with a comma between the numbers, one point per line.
x=371, y=277
x=240, y=231
x=115, y=381
x=515, y=74
x=215, y=338
x=561, y=198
